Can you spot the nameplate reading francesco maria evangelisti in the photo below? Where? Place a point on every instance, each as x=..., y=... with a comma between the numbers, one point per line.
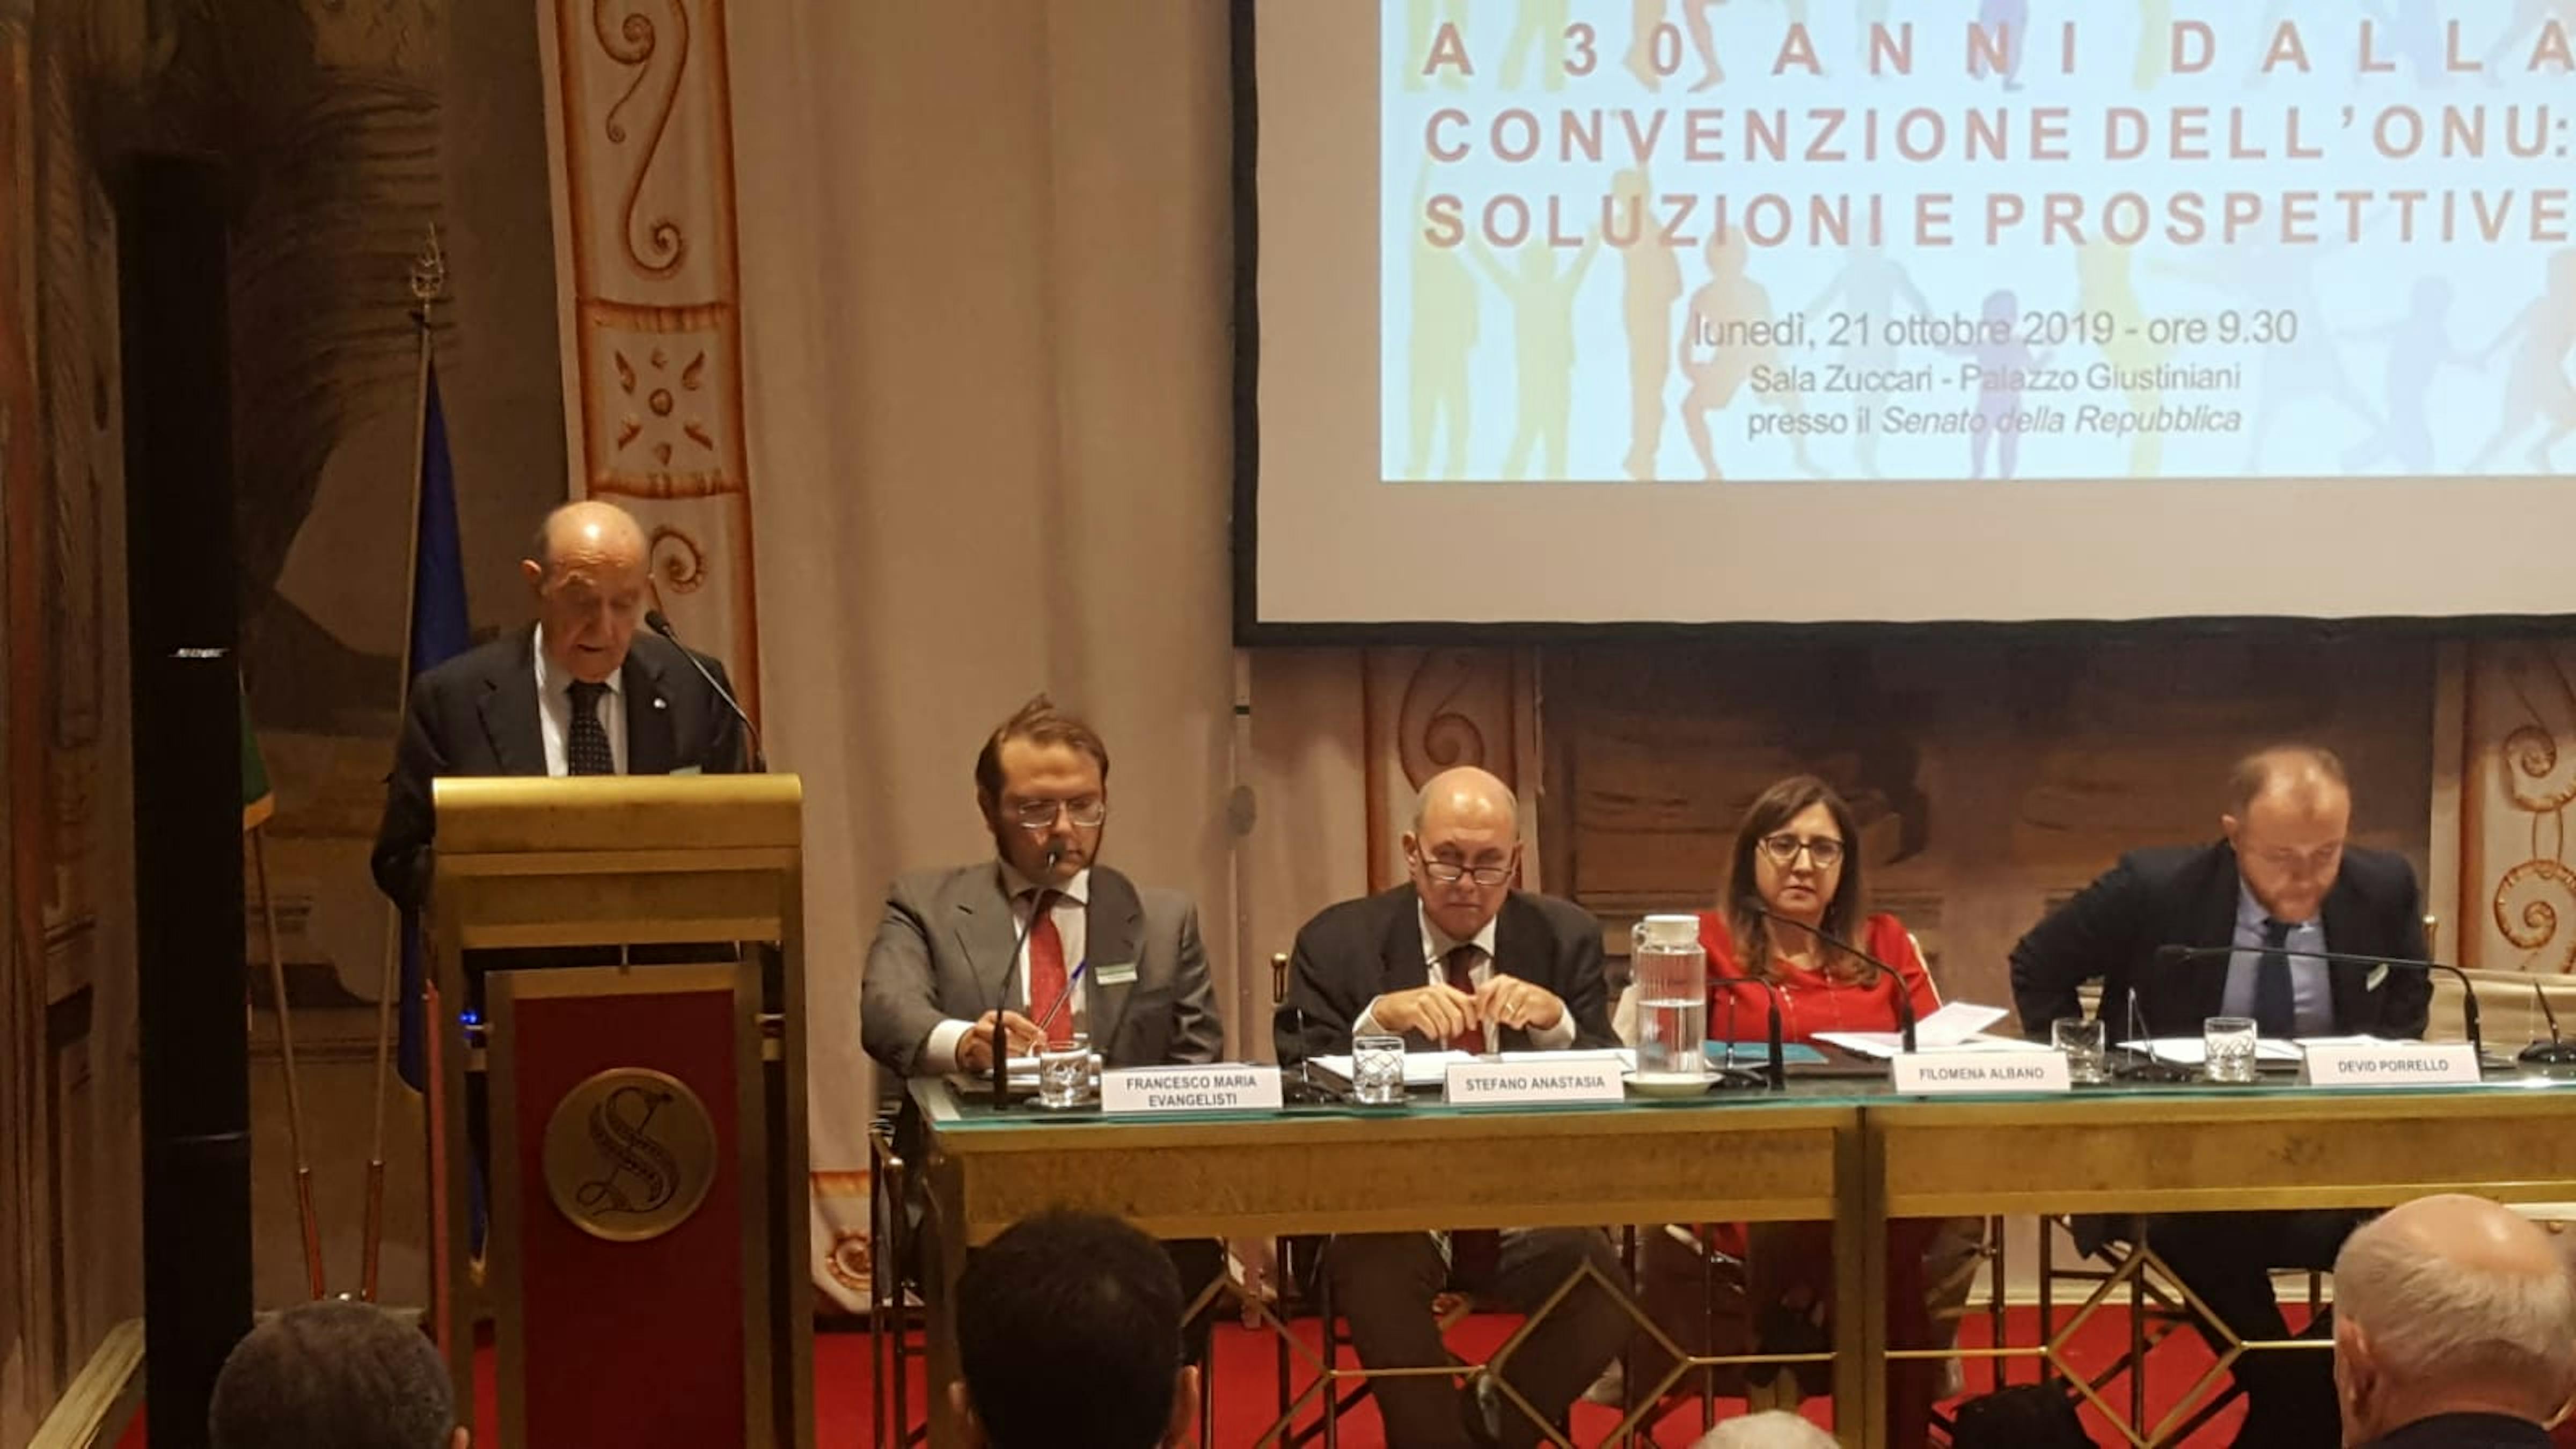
x=630, y=1154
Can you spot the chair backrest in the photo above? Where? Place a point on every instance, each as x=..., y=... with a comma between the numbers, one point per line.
x=2508, y=1013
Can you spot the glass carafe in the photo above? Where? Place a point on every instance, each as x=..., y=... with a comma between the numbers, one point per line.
x=1671, y=972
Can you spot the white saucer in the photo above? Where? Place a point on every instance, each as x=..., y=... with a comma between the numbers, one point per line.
x=1661, y=1084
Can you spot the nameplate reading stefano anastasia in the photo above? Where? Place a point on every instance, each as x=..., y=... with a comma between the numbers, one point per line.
x=2392, y=1064
x=1932, y=1074
x=1520, y=1084
x=1236, y=1088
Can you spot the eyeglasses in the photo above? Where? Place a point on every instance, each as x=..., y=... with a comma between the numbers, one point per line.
x=1449, y=872
x=1783, y=849
x=1082, y=814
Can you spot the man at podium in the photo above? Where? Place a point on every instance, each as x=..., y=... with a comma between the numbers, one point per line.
x=579, y=693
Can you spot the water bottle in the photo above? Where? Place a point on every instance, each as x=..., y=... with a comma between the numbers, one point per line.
x=1671, y=972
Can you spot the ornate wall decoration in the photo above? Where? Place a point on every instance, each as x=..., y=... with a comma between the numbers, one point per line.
x=2518, y=888
x=1429, y=710
x=639, y=108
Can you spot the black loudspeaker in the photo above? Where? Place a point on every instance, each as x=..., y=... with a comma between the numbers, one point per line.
x=179, y=561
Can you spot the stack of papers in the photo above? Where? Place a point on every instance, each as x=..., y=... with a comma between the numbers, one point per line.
x=1959, y=1026
x=1431, y=1069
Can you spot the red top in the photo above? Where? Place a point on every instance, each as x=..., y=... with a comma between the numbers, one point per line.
x=1814, y=1001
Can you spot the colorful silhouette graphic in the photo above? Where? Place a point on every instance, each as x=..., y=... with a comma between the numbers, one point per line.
x=2539, y=391
x=1538, y=33
x=1873, y=285
x=2011, y=20
x=1716, y=363
x=2528, y=17
x=1651, y=283
x=2281, y=278
x=2103, y=285
x=2155, y=42
x=1542, y=300
x=2419, y=346
x=2000, y=351
x=1442, y=339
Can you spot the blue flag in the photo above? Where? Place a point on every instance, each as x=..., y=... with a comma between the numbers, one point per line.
x=439, y=632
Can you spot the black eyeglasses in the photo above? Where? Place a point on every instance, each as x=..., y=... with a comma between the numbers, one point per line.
x=1084, y=813
x=1783, y=848
x=1450, y=872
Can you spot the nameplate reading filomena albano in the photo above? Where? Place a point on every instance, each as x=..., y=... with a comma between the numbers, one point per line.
x=1235, y=1088
x=1521, y=1084
x=2392, y=1064
x=1932, y=1074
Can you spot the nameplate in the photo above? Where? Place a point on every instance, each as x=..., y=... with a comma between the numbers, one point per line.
x=2392, y=1064
x=1522, y=1084
x=1931, y=1074
x=1129, y=1090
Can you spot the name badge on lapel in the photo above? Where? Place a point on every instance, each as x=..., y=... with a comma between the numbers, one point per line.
x=1122, y=974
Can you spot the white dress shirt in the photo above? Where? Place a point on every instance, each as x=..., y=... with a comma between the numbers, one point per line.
x=554, y=712
x=1436, y=946
x=2311, y=981
x=1072, y=916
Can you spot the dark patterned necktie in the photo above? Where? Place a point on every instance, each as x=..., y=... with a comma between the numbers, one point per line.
x=1460, y=966
x=586, y=750
x=2275, y=1005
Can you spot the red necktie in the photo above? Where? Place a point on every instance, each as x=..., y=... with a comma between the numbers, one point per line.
x=1046, y=970
x=1461, y=971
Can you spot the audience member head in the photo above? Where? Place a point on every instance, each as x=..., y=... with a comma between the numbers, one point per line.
x=1069, y=1332
x=1042, y=780
x=2288, y=810
x=587, y=568
x=1795, y=853
x=1770, y=1429
x=2451, y=1305
x=347, y=1375
x=1464, y=849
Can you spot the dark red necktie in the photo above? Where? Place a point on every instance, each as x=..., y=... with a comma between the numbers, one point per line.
x=1461, y=969
x=1046, y=970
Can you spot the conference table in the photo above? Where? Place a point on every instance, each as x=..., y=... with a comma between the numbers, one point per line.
x=1838, y=1149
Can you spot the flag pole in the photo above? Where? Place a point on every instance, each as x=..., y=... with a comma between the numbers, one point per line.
x=304, y=1212
x=428, y=283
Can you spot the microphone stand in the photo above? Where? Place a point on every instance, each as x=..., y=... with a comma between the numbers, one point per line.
x=1904, y=997
x=1775, y=1073
x=654, y=620
x=1002, y=999
x=2154, y=1068
x=2556, y=1055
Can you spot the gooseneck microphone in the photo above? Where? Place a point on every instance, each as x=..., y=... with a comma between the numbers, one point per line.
x=2154, y=1068
x=654, y=621
x=1904, y=997
x=2180, y=955
x=1775, y=1071
x=1011, y=968
x=2557, y=1054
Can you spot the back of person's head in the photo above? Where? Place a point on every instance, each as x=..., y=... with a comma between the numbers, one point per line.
x=2452, y=1304
x=1770, y=1429
x=1069, y=1332
x=342, y=1375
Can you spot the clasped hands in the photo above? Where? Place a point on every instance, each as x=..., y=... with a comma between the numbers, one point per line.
x=1442, y=1012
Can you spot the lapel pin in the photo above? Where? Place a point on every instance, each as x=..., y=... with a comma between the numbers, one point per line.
x=660, y=703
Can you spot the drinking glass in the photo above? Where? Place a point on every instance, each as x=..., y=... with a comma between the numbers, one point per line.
x=1064, y=1071
x=1377, y=1070
x=2083, y=1043
x=2229, y=1044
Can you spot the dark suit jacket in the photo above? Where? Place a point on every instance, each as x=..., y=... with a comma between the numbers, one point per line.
x=2465, y=1431
x=2187, y=896
x=1357, y=951
x=477, y=715
x=947, y=939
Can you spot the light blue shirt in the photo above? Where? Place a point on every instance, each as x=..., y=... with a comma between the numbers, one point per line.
x=2311, y=984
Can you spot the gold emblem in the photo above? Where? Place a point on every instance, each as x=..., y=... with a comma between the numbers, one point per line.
x=630, y=1154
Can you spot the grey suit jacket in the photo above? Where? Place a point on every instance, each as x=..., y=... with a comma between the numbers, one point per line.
x=946, y=942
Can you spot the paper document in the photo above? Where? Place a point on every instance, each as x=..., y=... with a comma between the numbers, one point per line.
x=1884, y=1044
x=1431, y=1069
x=2190, y=1051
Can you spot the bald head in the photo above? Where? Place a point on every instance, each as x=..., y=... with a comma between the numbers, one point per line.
x=587, y=568
x=1465, y=821
x=2452, y=1304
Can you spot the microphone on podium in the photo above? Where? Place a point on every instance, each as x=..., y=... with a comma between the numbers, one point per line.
x=1904, y=998
x=654, y=620
x=1010, y=968
x=2183, y=955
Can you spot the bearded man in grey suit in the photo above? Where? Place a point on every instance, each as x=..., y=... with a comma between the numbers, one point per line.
x=933, y=997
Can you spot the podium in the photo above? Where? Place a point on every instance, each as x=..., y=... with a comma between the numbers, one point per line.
x=618, y=1178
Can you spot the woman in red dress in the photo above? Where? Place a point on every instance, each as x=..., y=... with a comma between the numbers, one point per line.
x=1797, y=857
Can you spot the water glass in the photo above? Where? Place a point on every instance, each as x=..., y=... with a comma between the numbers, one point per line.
x=1377, y=1070
x=2083, y=1042
x=1064, y=1072
x=2228, y=1042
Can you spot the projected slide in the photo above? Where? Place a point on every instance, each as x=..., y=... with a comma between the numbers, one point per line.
x=1792, y=242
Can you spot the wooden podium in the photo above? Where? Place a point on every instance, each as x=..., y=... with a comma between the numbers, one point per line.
x=618, y=1045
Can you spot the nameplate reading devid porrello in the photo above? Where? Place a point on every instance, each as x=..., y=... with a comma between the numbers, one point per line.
x=1521, y=1084
x=1932, y=1074
x=2393, y=1064
x=1127, y=1091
